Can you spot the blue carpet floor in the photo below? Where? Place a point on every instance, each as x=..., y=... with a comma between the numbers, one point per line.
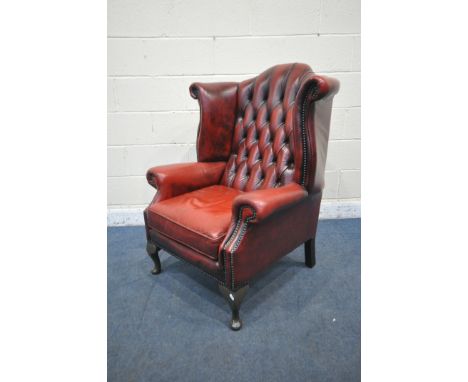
x=300, y=324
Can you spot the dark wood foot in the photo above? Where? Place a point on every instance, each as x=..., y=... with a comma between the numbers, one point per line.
x=309, y=249
x=234, y=300
x=153, y=251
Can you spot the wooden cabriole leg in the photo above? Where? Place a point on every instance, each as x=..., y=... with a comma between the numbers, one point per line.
x=234, y=300
x=309, y=249
x=153, y=250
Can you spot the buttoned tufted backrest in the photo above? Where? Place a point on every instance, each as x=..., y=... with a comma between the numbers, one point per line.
x=263, y=146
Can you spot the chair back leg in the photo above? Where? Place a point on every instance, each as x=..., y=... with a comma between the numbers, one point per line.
x=309, y=249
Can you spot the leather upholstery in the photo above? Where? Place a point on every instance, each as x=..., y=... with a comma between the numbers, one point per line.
x=185, y=253
x=315, y=98
x=177, y=179
x=198, y=219
x=218, y=105
x=264, y=139
x=254, y=194
x=264, y=203
x=258, y=244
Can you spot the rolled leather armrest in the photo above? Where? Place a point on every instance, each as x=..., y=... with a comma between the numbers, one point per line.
x=177, y=179
x=264, y=203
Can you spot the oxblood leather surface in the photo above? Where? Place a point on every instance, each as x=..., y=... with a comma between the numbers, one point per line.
x=205, y=263
x=266, y=136
x=198, y=219
x=266, y=241
x=316, y=95
x=267, y=202
x=177, y=179
x=264, y=143
x=218, y=105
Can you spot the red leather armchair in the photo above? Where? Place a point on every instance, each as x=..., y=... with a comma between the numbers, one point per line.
x=254, y=194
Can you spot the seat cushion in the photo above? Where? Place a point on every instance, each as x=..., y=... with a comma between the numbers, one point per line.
x=198, y=219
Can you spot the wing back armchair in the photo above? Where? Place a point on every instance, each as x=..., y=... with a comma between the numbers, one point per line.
x=254, y=194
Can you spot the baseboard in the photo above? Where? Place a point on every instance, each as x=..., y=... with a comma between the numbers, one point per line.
x=120, y=217
x=341, y=209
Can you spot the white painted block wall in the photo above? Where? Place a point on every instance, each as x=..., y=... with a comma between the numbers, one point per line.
x=156, y=49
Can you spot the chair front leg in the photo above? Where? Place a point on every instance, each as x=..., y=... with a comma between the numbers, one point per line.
x=153, y=252
x=309, y=249
x=234, y=300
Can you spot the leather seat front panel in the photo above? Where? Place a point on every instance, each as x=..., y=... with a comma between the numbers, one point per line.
x=198, y=219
